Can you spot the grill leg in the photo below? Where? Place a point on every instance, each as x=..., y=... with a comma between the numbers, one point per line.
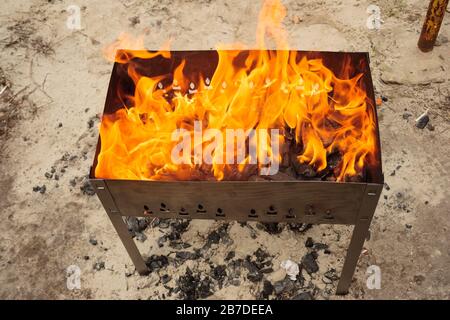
x=128, y=242
x=360, y=232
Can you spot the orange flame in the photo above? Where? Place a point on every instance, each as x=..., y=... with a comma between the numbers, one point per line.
x=271, y=89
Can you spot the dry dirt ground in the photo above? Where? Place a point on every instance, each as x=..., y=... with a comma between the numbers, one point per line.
x=54, y=82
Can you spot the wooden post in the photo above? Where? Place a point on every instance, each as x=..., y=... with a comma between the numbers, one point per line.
x=432, y=24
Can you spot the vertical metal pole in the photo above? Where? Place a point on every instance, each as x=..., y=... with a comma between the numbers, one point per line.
x=128, y=242
x=115, y=216
x=360, y=232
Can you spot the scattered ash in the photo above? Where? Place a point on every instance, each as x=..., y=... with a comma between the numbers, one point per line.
x=193, y=287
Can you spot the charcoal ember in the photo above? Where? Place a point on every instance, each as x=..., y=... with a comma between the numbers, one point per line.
x=280, y=176
x=334, y=159
x=304, y=170
x=299, y=227
x=267, y=289
x=309, y=263
x=303, y=296
x=219, y=273
x=191, y=287
x=271, y=227
x=256, y=178
x=157, y=262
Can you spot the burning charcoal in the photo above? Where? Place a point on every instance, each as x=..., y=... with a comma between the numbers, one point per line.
x=303, y=296
x=304, y=170
x=422, y=120
x=280, y=176
x=267, y=289
x=309, y=242
x=155, y=262
x=99, y=266
x=309, y=263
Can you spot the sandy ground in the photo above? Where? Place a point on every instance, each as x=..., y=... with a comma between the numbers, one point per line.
x=56, y=81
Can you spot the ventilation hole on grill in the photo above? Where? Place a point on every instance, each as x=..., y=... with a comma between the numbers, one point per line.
x=272, y=211
x=220, y=213
x=253, y=213
x=183, y=212
x=271, y=208
x=200, y=209
x=163, y=207
x=147, y=210
x=291, y=214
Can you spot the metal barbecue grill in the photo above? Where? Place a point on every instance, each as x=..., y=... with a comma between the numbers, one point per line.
x=299, y=201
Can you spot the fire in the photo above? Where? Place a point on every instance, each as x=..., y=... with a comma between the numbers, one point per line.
x=314, y=112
